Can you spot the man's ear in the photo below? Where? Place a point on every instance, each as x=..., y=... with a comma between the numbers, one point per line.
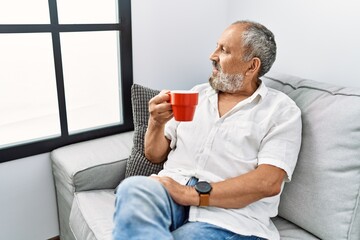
x=254, y=66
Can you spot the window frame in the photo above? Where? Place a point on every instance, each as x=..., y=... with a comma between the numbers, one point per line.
x=35, y=147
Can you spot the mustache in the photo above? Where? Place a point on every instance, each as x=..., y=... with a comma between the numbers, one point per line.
x=215, y=64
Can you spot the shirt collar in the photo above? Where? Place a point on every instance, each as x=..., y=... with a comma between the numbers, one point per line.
x=261, y=91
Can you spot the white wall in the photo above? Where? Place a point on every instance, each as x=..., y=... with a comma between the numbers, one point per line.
x=27, y=199
x=172, y=41
x=316, y=39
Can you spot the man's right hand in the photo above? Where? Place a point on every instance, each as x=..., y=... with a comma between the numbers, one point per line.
x=160, y=109
x=157, y=146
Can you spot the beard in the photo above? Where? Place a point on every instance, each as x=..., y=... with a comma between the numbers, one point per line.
x=223, y=82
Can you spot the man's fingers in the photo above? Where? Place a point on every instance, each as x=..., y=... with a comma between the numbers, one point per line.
x=161, y=97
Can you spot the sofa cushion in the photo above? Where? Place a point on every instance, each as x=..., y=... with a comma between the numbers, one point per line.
x=137, y=163
x=323, y=196
x=91, y=215
x=102, y=176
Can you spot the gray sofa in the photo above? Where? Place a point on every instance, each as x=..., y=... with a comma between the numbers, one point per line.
x=321, y=202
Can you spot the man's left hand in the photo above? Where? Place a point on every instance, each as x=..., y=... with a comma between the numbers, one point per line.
x=183, y=195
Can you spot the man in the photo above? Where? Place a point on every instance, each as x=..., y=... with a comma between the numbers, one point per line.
x=238, y=151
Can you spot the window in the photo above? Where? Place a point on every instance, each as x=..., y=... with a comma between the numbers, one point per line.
x=66, y=73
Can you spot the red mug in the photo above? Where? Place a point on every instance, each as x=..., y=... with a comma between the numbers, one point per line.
x=183, y=104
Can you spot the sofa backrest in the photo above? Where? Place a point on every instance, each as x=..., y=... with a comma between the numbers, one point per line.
x=323, y=196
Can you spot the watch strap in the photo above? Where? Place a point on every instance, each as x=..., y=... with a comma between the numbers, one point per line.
x=204, y=199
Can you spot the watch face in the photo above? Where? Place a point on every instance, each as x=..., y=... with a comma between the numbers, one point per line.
x=203, y=187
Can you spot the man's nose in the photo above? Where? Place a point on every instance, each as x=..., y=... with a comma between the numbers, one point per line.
x=214, y=56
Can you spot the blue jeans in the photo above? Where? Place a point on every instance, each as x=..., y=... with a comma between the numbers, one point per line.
x=145, y=210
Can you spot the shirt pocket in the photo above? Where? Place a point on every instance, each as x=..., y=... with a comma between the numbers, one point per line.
x=190, y=136
x=241, y=141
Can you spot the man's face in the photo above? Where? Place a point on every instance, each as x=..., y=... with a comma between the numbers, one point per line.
x=228, y=67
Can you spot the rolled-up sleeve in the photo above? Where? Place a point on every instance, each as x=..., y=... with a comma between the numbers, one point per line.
x=170, y=132
x=281, y=145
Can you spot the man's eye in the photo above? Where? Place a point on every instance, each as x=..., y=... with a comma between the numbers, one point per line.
x=223, y=50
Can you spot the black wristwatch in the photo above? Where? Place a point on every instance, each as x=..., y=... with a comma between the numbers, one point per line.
x=204, y=189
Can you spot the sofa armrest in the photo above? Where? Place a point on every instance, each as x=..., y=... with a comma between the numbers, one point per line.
x=93, y=164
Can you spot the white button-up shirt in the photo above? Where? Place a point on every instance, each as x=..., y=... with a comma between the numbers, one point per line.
x=262, y=129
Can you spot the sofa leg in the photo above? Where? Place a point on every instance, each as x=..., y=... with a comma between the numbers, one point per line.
x=55, y=238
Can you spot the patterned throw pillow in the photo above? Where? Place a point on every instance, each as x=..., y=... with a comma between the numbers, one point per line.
x=137, y=163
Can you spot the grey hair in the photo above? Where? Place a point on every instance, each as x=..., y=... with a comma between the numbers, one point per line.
x=258, y=41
